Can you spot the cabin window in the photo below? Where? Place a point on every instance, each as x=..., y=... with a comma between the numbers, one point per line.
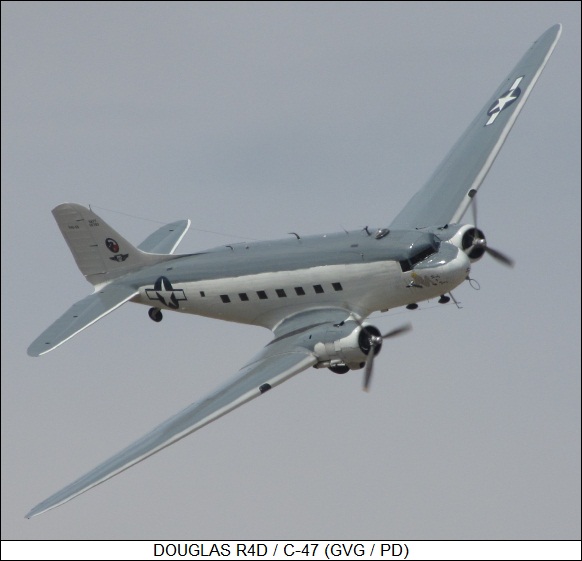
x=281, y=293
x=318, y=288
x=299, y=291
x=262, y=294
x=337, y=286
x=225, y=298
x=244, y=297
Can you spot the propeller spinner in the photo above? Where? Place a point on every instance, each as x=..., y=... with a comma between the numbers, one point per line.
x=374, y=342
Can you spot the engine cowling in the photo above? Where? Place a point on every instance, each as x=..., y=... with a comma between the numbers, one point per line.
x=471, y=240
x=347, y=352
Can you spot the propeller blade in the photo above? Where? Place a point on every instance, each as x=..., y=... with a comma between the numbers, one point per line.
x=502, y=258
x=397, y=331
x=499, y=256
x=474, y=210
x=374, y=342
x=369, y=366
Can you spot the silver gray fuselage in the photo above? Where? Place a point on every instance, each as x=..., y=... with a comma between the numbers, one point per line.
x=261, y=283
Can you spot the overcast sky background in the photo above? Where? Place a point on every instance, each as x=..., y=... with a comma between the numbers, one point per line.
x=254, y=120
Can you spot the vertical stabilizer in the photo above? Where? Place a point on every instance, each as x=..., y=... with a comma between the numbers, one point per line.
x=100, y=252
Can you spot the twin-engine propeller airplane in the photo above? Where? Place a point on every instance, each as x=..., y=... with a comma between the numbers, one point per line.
x=314, y=293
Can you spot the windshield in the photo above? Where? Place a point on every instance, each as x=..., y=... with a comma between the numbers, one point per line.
x=423, y=247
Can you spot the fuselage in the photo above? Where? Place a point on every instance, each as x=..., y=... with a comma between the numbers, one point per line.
x=261, y=283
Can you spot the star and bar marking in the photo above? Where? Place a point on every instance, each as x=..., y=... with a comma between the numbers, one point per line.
x=504, y=101
x=164, y=292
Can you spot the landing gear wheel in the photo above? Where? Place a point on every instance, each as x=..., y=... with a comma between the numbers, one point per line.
x=155, y=314
x=339, y=369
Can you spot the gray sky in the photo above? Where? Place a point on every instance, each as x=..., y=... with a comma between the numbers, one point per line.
x=254, y=120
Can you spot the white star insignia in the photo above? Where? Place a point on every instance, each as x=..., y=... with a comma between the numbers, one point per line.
x=507, y=99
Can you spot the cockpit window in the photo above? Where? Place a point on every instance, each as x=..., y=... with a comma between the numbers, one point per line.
x=419, y=251
x=422, y=255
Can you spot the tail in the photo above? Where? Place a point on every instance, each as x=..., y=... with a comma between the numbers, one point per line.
x=103, y=256
x=101, y=253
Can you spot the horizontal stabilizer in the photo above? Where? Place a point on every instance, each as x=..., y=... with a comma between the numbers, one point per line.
x=166, y=238
x=81, y=315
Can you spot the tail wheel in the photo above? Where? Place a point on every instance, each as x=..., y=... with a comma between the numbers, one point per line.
x=155, y=314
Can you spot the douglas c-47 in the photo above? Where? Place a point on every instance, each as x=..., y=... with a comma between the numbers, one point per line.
x=314, y=293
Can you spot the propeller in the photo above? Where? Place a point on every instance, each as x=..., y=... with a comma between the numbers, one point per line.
x=374, y=342
x=497, y=255
x=479, y=243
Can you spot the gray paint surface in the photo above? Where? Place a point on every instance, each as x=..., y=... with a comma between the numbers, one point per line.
x=256, y=121
x=466, y=165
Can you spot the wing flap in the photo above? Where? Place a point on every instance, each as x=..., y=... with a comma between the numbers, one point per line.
x=81, y=315
x=309, y=319
x=448, y=192
x=274, y=365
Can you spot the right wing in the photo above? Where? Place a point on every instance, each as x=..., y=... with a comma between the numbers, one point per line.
x=288, y=354
x=449, y=191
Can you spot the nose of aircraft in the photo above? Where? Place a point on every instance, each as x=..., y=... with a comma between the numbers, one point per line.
x=451, y=264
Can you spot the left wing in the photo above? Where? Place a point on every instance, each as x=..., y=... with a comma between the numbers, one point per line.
x=287, y=355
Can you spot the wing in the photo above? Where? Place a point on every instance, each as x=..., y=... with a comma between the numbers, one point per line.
x=166, y=238
x=448, y=193
x=81, y=315
x=281, y=359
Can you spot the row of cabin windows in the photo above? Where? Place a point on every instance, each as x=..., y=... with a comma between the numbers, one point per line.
x=299, y=290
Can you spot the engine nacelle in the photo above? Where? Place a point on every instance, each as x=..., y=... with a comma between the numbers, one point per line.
x=464, y=238
x=347, y=352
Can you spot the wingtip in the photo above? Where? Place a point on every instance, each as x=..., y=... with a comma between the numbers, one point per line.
x=557, y=29
x=36, y=349
x=35, y=511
